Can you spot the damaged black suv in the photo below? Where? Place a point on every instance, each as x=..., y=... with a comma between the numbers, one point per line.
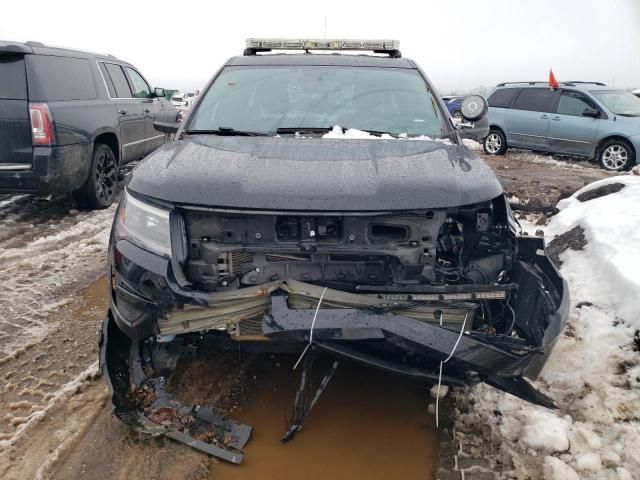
x=321, y=202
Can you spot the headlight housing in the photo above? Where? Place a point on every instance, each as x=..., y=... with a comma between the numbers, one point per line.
x=144, y=225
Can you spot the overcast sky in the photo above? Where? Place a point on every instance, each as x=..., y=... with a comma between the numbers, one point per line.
x=460, y=44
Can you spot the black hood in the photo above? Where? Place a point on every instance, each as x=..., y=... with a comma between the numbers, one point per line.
x=314, y=174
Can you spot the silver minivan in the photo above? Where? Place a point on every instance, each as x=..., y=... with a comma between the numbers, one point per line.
x=585, y=119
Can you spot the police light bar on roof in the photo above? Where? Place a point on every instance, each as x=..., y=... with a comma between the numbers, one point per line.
x=266, y=44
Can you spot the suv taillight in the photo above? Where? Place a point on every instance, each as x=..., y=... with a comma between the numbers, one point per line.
x=41, y=124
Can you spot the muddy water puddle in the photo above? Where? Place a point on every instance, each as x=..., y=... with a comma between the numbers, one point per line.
x=367, y=424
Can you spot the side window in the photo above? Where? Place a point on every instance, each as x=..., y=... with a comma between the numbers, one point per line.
x=502, y=98
x=60, y=78
x=119, y=80
x=574, y=103
x=535, y=100
x=140, y=87
x=107, y=81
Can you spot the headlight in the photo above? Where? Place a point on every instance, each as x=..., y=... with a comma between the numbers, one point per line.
x=144, y=225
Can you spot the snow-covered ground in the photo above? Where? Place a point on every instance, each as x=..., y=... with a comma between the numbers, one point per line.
x=41, y=258
x=593, y=372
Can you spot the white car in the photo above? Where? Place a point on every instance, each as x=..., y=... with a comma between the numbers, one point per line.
x=179, y=100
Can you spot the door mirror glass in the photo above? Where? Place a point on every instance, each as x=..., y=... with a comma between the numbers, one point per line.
x=158, y=92
x=591, y=112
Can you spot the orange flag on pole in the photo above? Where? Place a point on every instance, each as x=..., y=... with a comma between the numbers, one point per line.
x=553, y=83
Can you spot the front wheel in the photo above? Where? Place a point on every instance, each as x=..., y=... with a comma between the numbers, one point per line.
x=616, y=155
x=99, y=190
x=495, y=143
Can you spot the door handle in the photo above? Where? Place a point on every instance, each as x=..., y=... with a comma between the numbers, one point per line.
x=146, y=110
x=122, y=111
x=557, y=119
x=544, y=116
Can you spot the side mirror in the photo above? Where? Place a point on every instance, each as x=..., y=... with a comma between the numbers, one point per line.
x=158, y=92
x=473, y=108
x=591, y=112
x=166, y=127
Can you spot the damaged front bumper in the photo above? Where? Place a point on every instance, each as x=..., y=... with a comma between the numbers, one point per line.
x=408, y=332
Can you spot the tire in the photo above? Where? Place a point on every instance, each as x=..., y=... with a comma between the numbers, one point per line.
x=616, y=155
x=495, y=143
x=99, y=191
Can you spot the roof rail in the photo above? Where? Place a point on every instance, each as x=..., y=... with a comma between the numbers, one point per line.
x=581, y=82
x=525, y=81
x=256, y=45
x=570, y=83
x=31, y=43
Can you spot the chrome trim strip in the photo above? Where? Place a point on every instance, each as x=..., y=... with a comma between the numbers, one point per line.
x=143, y=140
x=133, y=143
x=15, y=166
x=526, y=135
x=567, y=140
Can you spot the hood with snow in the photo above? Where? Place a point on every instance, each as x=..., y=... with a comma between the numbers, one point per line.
x=322, y=174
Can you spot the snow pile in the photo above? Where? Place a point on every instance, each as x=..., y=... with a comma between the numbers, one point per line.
x=611, y=226
x=354, y=134
x=571, y=163
x=593, y=372
x=38, y=264
x=338, y=132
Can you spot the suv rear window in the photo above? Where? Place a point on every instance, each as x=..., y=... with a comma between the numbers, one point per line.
x=13, y=85
x=502, y=98
x=60, y=78
x=119, y=80
x=535, y=100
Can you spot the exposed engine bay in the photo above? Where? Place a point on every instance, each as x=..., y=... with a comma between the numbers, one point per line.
x=402, y=291
x=387, y=253
x=435, y=247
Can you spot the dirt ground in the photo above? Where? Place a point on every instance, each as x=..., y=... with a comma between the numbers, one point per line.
x=55, y=416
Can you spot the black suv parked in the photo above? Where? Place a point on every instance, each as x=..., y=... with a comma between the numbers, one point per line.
x=68, y=119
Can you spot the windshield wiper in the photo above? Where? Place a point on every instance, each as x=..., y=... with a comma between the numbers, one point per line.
x=292, y=130
x=227, y=132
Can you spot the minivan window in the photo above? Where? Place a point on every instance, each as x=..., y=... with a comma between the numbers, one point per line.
x=574, y=103
x=619, y=102
x=140, y=87
x=60, y=78
x=13, y=85
x=263, y=99
x=502, y=98
x=119, y=80
x=535, y=100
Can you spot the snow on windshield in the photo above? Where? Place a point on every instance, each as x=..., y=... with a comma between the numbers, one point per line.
x=355, y=134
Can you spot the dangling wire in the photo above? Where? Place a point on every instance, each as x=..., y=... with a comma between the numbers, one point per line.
x=445, y=361
x=313, y=322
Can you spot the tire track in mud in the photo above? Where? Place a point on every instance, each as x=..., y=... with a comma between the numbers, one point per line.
x=48, y=331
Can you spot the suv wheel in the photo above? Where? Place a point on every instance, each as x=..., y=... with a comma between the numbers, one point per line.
x=616, y=155
x=495, y=143
x=99, y=190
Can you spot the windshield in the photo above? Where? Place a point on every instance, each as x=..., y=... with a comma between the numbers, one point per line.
x=265, y=99
x=619, y=102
